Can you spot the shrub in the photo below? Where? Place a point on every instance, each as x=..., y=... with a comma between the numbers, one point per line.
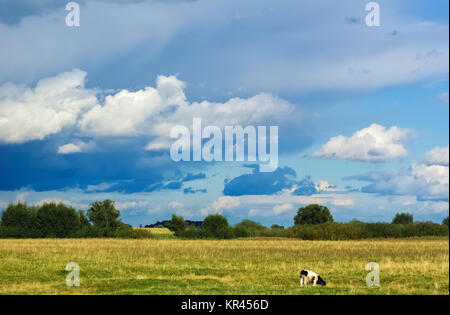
x=426, y=229
x=248, y=228
x=382, y=230
x=326, y=231
x=193, y=232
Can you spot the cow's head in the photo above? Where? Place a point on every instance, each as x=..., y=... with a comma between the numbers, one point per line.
x=320, y=281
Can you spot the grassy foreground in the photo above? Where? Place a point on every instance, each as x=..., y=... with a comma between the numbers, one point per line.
x=240, y=266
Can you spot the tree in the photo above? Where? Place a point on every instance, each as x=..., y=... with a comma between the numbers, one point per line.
x=445, y=221
x=177, y=225
x=57, y=220
x=403, y=218
x=20, y=216
x=277, y=227
x=84, y=221
x=313, y=214
x=103, y=214
x=216, y=226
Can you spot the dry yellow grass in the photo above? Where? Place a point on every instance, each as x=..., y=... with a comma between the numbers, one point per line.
x=242, y=266
x=157, y=230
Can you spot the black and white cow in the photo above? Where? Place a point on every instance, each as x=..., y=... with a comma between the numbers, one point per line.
x=307, y=276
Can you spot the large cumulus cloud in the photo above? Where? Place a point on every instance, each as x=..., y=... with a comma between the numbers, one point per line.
x=375, y=143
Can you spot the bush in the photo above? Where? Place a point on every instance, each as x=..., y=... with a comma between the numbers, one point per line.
x=326, y=231
x=382, y=230
x=193, y=232
x=426, y=229
x=248, y=228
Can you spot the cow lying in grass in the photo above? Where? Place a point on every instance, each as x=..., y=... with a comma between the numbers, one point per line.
x=307, y=276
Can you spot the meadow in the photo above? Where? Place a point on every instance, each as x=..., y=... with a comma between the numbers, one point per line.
x=237, y=266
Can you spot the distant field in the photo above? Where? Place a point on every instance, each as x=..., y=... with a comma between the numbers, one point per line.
x=159, y=233
x=157, y=230
x=240, y=266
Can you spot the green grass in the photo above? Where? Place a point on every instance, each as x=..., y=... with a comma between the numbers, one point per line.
x=242, y=266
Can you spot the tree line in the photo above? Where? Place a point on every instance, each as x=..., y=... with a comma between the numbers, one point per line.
x=313, y=222
x=52, y=220
x=102, y=219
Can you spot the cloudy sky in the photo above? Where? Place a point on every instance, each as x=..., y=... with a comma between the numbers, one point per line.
x=363, y=112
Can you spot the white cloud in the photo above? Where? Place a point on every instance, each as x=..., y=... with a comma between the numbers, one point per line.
x=63, y=101
x=77, y=147
x=100, y=187
x=157, y=145
x=132, y=205
x=35, y=113
x=437, y=156
x=426, y=181
x=222, y=203
x=325, y=186
x=372, y=144
x=175, y=204
x=128, y=113
x=343, y=202
x=285, y=207
x=154, y=111
x=69, y=148
x=226, y=202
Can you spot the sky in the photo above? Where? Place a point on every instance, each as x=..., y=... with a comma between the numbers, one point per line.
x=86, y=112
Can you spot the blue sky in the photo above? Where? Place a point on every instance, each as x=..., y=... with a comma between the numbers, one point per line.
x=86, y=112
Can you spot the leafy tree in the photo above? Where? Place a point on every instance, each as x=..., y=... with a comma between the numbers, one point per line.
x=313, y=214
x=103, y=214
x=57, y=220
x=84, y=221
x=445, y=221
x=177, y=225
x=277, y=227
x=403, y=218
x=216, y=226
x=20, y=216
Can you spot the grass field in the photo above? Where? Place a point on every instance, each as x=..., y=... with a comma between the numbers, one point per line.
x=242, y=266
